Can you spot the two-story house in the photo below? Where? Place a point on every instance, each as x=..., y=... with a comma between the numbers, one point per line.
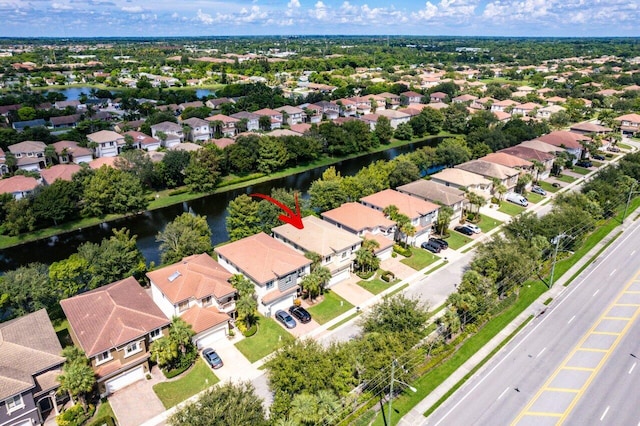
x=535, y=156
x=337, y=247
x=396, y=118
x=629, y=123
x=197, y=289
x=222, y=124
x=423, y=214
x=507, y=176
x=274, y=268
x=571, y=142
x=252, y=120
x=199, y=129
x=463, y=180
x=275, y=117
x=106, y=143
x=436, y=97
x=330, y=110
x=30, y=363
x=71, y=152
x=170, y=134
x=4, y=169
x=29, y=155
x=442, y=195
x=412, y=97
x=291, y=114
x=143, y=141
x=114, y=326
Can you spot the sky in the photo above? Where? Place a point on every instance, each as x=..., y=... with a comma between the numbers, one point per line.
x=109, y=18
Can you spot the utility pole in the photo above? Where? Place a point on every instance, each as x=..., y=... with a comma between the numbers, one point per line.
x=626, y=207
x=555, y=255
x=393, y=371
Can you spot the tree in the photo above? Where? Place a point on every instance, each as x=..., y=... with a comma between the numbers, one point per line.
x=242, y=218
x=366, y=260
x=383, y=130
x=247, y=304
x=397, y=314
x=18, y=217
x=174, y=164
x=272, y=154
x=56, y=203
x=475, y=200
x=228, y=405
x=403, y=172
x=138, y=164
x=186, y=235
x=203, y=172
x=70, y=276
x=304, y=409
x=77, y=378
x=111, y=190
x=452, y=151
x=445, y=213
x=27, y=113
x=326, y=193
x=264, y=122
x=28, y=289
x=404, y=131
x=176, y=350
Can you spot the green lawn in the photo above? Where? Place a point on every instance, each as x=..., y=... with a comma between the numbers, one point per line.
x=488, y=223
x=596, y=163
x=62, y=331
x=565, y=178
x=624, y=146
x=421, y=259
x=376, y=285
x=510, y=208
x=534, y=198
x=269, y=337
x=197, y=379
x=581, y=170
x=332, y=306
x=456, y=239
x=548, y=187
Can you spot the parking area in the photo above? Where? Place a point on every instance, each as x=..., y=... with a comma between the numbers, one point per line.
x=235, y=364
x=136, y=403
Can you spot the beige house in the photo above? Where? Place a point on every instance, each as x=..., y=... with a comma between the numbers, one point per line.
x=507, y=176
x=437, y=193
x=336, y=246
x=198, y=290
x=463, y=180
x=114, y=326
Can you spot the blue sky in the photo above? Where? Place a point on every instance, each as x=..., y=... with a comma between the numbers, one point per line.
x=72, y=18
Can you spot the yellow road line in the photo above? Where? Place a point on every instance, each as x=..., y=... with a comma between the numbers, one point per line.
x=542, y=414
x=578, y=347
x=606, y=333
x=563, y=390
x=617, y=318
x=578, y=368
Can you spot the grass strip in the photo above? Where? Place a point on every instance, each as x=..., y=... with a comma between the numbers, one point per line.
x=197, y=379
x=435, y=268
x=477, y=367
x=347, y=319
x=397, y=290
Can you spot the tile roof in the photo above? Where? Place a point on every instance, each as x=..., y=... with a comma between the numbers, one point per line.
x=506, y=159
x=195, y=276
x=263, y=258
x=300, y=127
x=433, y=191
x=563, y=138
x=488, y=169
x=589, y=127
x=461, y=177
x=105, y=136
x=59, y=171
x=541, y=146
x=223, y=142
x=222, y=118
x=195, y=122
x=634, y=118
x=358, y=217
x=167, y=126
x=103, y=161
x=202, y=319
x=383, y=242
x=317, y=236
x=28, y=345
x=27, y=146
x=72, y=147
x=17, y=183
x=408, y=205
x=528, y=153
x=111, y=316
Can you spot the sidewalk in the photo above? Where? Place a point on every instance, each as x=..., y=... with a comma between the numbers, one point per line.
x=415, y=416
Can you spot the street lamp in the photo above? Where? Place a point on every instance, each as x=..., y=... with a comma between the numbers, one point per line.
x=393, y=379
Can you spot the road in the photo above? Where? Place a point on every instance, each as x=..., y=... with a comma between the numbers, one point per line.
x=572, y=363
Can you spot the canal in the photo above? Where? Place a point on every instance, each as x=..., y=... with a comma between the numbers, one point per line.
x=147, y=225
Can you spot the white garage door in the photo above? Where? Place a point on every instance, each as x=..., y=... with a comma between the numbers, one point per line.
x=209, y=340
x=283, y=304
x=339, y=276
x=125, y=379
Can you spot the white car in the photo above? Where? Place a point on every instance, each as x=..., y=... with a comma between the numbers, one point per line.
x=475, y=228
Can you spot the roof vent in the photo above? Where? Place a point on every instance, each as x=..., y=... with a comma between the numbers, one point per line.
x=173, y=276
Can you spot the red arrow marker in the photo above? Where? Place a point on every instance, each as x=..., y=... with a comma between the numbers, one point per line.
x=294, y=219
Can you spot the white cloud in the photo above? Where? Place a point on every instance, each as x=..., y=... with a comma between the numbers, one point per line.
x=205, y=18
x=132, y=9
x=429, y=12
x=319, y=11
x=61, y=6
x=293, y=4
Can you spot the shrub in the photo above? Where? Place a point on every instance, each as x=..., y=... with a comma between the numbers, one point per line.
x=178, y=191
x=404, y=251
x=387, y=276
x=250, y=331
x=365, y=275
x=102, y=421
x=75, y=415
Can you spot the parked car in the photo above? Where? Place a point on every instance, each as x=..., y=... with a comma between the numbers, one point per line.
x=286, y=319
x=433, y=248
x=584, y=163
x=613, y=149
x=463, y=230
x=212, y=358
x=440, y=242
x=598, y=157
x=300, y=313
x=515, y=198
x=475, y=228
x=537, y=190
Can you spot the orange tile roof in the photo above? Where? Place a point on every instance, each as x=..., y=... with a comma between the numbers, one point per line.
x=358, y=217
x=17, y=183
x=317, y=236
x=111, y=316
x=195, y=276
x=202, y=319
x=263, y=258
x=506, y=159
x=59, y=171
x=410, y=206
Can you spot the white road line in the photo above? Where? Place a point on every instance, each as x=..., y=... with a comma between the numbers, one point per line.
x=632, y=367
x=613, y=272
x=572, y=318
x=571, y=289
x=540, y=353
x=503, y=392
x=596, y=292
x=631, y=254
x=605, y=413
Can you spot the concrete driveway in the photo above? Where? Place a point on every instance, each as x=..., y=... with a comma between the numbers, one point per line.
x=236, y=366
x=137, y=402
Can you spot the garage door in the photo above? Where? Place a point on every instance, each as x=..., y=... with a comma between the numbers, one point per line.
x=283, y=304
x=125, y=379
x=339, y=276
x=209, y=340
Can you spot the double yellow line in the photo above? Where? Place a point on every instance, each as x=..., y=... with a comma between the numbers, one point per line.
x=562, y=416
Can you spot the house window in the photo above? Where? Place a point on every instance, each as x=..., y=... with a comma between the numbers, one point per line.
x=132, y=348
x=287, y=280
x=206, y=301
x=155, y=334
x=344, y=254
x=103, y=357
x=183, y=306
x=269, y=285
x=110, y=143
x=14, y=403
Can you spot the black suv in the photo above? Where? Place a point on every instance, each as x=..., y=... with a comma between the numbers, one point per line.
x=463, y=230
x=439, y=242
x=300, y=313
x=432, y=247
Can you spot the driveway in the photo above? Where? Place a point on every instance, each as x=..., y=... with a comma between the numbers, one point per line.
x=350, y=291
x=137, y=403
x=236, y=366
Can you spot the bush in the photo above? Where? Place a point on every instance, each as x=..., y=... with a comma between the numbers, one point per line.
x=404, y=251
x=179, y=191
x=102, y=421
x=250, y=331
x=75, y=415
x=365, y=275
x=175, y=372
x=387, y=276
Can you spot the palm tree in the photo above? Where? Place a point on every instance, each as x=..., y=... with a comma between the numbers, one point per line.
x=77, y=378
x=304, y=409
x=163, y=351
x=539, y=168
x=327, y=405
x=181, y=333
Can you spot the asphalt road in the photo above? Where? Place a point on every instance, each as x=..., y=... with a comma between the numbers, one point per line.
x=571, y=362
